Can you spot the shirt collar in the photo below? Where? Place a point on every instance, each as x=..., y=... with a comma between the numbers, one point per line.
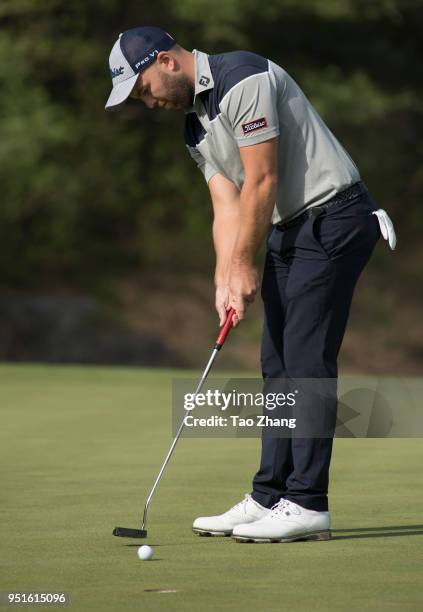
x=203, y=75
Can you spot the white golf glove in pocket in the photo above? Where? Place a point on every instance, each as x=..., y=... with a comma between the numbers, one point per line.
x=386, y=227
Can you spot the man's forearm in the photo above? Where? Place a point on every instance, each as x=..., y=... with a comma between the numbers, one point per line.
x=225, y=232
x=257, y=201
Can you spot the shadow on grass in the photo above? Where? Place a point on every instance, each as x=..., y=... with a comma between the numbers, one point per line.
x=139, y=544
x=337, y=534
x=377, y=532
x=183, y=542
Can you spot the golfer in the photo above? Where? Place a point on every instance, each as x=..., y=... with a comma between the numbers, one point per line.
x=275, y=171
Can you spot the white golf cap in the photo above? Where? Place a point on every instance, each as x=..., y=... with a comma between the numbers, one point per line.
x=134, y=51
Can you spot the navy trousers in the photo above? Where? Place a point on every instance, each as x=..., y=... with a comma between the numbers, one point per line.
x=309, y=276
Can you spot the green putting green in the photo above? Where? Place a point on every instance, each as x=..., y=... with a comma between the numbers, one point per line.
x=80, y=448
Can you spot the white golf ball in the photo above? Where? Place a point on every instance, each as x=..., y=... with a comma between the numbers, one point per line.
x=145, y=552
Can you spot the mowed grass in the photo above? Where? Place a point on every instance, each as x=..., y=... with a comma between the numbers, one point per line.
x=80, y=448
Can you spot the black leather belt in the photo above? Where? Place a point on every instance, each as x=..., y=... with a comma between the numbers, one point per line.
x=342, y=196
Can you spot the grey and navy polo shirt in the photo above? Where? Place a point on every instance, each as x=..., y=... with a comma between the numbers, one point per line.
x=242, y=99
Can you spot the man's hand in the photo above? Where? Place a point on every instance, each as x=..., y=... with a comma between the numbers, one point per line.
x=222, y=302
x=243, y=285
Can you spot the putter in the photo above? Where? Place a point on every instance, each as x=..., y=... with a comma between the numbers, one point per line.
x=127, y=532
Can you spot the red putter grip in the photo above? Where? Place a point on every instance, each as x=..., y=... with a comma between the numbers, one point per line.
x=225, y=329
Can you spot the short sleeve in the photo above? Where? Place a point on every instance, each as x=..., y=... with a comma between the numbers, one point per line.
x=207, y=169
x=251, y=109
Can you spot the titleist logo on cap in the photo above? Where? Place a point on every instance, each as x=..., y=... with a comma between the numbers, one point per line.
x=115, y=72
x=252, y=126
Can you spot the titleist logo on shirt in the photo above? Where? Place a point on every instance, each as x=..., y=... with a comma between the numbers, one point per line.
x=252, y=126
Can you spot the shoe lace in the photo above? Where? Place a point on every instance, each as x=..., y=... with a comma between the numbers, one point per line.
x=242, y=504
x=281, y=506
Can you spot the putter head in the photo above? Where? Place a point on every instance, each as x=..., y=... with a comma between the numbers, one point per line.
x=125, y=532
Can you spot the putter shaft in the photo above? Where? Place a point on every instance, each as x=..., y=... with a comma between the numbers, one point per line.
x=142, y=533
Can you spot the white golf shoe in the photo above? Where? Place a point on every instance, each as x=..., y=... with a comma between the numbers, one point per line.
x=285, y=522
x=244, y=512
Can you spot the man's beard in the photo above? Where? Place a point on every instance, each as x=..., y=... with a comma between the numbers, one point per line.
x=179, y=90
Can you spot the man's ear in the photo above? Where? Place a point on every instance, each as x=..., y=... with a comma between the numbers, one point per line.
x=167, y=60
